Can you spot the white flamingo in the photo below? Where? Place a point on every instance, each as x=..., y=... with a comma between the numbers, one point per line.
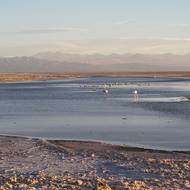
x=136, y=95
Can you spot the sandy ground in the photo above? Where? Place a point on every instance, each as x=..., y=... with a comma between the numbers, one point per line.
x=41, y=164
x=13, y=77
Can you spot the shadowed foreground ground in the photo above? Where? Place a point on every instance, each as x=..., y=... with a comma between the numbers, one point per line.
x=40, y=164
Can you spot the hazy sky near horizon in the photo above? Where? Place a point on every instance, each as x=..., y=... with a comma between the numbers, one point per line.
x=94, y=26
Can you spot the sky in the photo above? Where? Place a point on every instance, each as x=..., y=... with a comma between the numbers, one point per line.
x=94, y=26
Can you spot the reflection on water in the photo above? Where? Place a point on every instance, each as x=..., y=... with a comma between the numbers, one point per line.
x=78, y=109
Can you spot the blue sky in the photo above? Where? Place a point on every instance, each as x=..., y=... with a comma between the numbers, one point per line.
x=94, y=26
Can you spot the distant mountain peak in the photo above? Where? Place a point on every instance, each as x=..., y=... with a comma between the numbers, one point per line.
x=58, y=61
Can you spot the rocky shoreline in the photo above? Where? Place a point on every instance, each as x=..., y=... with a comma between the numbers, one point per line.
x=27, y=163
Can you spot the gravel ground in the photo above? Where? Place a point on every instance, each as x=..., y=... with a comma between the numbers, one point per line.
x=41, y=164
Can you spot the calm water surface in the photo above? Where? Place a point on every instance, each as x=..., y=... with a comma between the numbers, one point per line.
x=78, y=109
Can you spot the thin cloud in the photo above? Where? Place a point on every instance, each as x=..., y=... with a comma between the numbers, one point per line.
x=123, y=22
x=180, y=25
x=152, y=39
x=50, y=31
x=175, y=39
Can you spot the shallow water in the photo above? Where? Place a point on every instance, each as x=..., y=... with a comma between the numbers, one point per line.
x=78, y=109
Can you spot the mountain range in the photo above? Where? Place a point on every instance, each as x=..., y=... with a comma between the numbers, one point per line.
x=57, y=61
